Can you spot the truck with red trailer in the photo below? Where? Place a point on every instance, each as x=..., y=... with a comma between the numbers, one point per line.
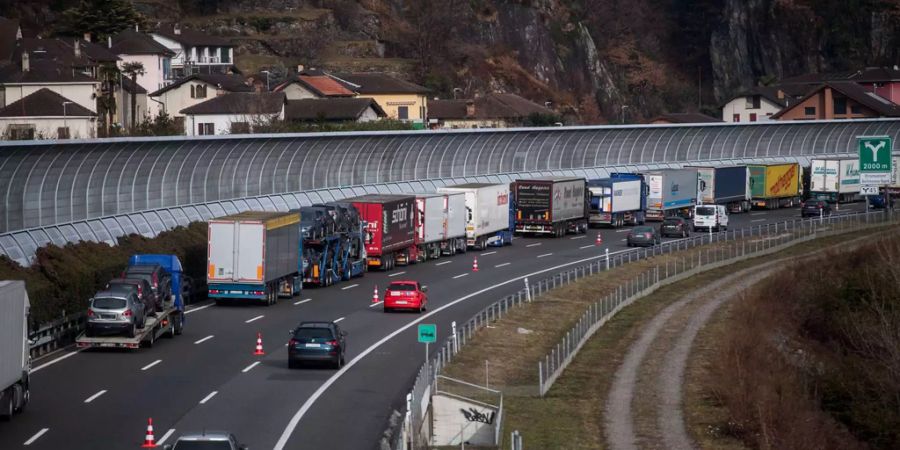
x=551, y=206
x=440, y=225
x=390, y=229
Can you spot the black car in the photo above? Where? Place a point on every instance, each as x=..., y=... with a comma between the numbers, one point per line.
x=141, y=288
x=675, y=227
x=643, y=237
x=316, y=222
x=815, y=208
x=317, y=342
x=160, y=280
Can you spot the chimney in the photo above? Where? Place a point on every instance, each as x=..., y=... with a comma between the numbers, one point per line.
x=219, y=90
x=87, y=37
x=26, y=65
x=137, y=28
x=470, y=108
x=109, y=42
x=78, y=49
x=177, y=29
x=300, y=68
x=780, y=94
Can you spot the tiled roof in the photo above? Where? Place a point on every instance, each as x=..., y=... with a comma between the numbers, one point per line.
x=97, y=52
x=42, y=71
x=44, y=103
x=130, y=42
x=877, y=75
x=487, y=107
x=321, y=85
x=329, y=109
x=52, y=49
x=855, y=92
x=447, y=109
x=686, y=118
x=193, y=38
x=240, y=103
x=230, y=83
x=127, y=84
x=379, y=83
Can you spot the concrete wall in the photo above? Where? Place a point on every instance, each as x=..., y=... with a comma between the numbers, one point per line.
x=47, y=127
x=450, y=422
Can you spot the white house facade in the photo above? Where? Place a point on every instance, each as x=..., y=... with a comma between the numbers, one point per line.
x=195, y=52
x=196, y=89
x=751, y=107
x=233, y=113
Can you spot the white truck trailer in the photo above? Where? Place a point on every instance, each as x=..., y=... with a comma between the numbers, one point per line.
x=835, y=179
x=15, y=355
x=488, y=218
x=440, y=224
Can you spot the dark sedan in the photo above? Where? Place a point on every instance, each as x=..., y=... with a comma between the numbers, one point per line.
x=643, y=237
x=317, y=342
x=675, y=227
x=815, y=208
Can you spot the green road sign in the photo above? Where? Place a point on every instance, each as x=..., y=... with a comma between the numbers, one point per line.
x=875, y=159
x=427, y=333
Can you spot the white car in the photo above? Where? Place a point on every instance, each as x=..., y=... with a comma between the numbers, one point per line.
x=710, y=217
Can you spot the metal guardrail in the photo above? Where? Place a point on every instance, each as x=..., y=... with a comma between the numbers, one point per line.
x=754, y=241
x=56, y=334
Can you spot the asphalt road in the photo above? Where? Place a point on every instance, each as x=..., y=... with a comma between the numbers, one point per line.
x=208, y=378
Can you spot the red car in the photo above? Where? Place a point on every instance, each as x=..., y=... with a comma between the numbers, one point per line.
x=405, y=295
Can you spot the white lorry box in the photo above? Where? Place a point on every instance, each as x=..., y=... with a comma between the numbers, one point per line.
x=487, y=207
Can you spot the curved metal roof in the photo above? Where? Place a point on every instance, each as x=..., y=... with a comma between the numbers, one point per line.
x=151, y=184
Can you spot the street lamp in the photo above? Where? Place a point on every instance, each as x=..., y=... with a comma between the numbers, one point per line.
x=624, y=107
x=65, y=124
x=267, y=79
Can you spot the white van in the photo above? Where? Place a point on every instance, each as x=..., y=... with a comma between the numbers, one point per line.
x=710, y=217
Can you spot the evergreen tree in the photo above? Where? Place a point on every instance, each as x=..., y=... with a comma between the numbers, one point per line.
x=101, y=18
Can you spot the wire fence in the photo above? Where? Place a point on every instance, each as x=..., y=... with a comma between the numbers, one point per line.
x=741, y=243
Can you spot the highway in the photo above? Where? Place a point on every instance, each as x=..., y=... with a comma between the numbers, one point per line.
x=208, y=378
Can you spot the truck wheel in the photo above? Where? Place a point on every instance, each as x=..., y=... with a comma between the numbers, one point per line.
x=179, y=323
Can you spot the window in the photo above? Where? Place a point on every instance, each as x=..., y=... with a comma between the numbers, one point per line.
x=753, y=117
x=736, y=118
x=753, y=102
x=20, y=132
x=855, y=109
x=403, y=112
x=840, y=106
x=62, y=133
x=204, y=129
x=198, y=91
x=240, y=127
x=809, y=110
x=226, y=55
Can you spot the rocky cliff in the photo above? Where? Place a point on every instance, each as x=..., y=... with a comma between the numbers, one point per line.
x=589, y=58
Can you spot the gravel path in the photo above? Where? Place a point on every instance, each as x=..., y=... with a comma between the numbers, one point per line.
x=670, y=333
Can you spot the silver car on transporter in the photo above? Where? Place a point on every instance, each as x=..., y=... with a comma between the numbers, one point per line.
x=114, y=312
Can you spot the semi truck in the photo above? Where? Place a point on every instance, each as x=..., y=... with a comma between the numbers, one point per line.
x=168, y=322
x=15, y=355
x=333, y=250
x=390, y=228
x=488, y=212
x=881, y=200
x=774, y=185
x=254, y=256
x=672, y=192
x=440, y=225
x=834, y=179
x=618, y=200
x=727, y=186
x=551, y=206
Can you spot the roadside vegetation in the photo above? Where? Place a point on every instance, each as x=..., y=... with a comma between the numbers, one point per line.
x=811, y=358
x=62, y=279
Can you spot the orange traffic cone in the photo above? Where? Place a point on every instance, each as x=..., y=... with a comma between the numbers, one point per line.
x=599, y=239
x=475, y=265
x=149, y=440
x=375, y=295
x=259, y=349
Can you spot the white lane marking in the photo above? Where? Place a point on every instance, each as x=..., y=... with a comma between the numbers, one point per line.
x=339, y=319
x=250, y=367
x=577, y=237
x=586, y=246
x=758, y=220
x=94, y=397
x=255, y=318
x=300, y=302
x=488, y=253
x=295, y=419
x=198, y=308
x=208, y=397
x=168, y=434
x=50, y=363
x=151, y=364
x=502, y=265
x=397, y=274
x=442, y=263
x=757, y=214
x=375, y=304
x=533, y=245
x=203, y=340
x=623, y=240
x=545, y=254
x=623, y=230
x=36, y=436
x=461, y=275
x=349, y=287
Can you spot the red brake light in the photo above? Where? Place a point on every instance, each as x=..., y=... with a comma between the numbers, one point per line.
x=292, y=342
x=155, y=281
x=332, y=343
x=90, y=312
x=648, y=235
x=127, y=313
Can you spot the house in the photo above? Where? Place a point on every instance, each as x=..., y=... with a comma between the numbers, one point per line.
x=44, y=114
x=755, y=105
x=10, y=35
x=133, y=46
x=195, y=51
x=496, y=110
x=235, y=112
x=333, y=110
x=677, y=118
x=313, y=84
x=17, y=81
x=196, y=89
x=882, y=81
x=400, y=100
x=839, y=100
